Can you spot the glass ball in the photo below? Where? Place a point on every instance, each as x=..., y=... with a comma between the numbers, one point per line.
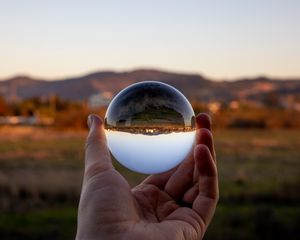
x=150, y=127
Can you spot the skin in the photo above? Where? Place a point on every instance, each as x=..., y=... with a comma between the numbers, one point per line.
x=178, y=204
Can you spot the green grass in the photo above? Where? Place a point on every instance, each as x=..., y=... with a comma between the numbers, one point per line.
x=259, y=173
x=42, y=152
x=258, y=162
x=232, y=222
x=254, y=221
x=47, y=223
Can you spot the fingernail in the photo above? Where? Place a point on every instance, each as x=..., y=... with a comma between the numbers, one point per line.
x=90, y=121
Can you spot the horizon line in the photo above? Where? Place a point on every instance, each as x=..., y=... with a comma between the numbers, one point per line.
x=158, y=69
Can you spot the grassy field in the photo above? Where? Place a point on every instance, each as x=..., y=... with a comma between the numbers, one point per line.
x=259, y=171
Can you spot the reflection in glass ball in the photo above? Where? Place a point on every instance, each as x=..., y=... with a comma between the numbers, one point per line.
x=150, y=127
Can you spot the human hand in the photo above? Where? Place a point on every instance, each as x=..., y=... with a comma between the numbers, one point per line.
x=178, y=204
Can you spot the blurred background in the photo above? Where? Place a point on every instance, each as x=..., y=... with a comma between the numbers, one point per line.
x=237, y=60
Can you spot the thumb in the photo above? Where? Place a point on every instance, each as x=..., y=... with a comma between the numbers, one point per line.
x=97, y=155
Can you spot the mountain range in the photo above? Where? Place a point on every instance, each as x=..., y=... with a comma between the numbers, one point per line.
x=195, y=87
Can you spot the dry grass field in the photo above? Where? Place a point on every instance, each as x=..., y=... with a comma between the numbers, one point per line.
x=41, y=172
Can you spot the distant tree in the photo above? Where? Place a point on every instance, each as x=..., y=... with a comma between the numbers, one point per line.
x=3, y=106
x=271, y=100
x=199, y=107
x=71, y=119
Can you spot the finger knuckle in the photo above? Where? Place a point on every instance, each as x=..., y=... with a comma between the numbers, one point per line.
x=92, y=140
x=207, y=133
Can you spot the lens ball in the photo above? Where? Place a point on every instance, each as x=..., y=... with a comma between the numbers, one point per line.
x=150, y=127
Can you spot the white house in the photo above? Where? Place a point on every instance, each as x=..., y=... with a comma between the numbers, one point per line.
x=100, y=99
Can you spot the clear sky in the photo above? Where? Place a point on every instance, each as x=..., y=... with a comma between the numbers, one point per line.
x=220, y=39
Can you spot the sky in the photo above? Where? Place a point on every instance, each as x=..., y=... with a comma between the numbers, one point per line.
x=150, y=154
x=221, y=39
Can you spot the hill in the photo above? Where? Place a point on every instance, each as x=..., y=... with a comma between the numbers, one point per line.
x=195, y=87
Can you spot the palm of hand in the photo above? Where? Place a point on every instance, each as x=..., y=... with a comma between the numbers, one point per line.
x=164, y=206
x=162, y=216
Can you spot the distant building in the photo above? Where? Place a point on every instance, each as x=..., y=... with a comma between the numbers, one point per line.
x=214, y=107
x=23, y=120
x=290, y=102
x=234, y=105
x=123, y=123
x=100, y=99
